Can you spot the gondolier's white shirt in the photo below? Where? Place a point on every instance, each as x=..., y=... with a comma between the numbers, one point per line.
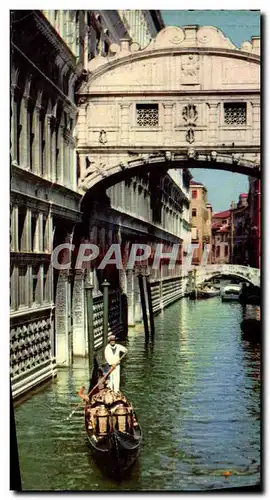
x=112, y=355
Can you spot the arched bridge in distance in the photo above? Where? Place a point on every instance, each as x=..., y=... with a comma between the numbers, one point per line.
x=209, y=271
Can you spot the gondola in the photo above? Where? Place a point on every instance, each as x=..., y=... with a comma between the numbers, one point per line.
x=204, y=293
x=113, y=433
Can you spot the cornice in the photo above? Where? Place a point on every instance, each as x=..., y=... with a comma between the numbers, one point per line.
x=69, y=104
x=54, y=38
x=166, y=93
x=40, y=182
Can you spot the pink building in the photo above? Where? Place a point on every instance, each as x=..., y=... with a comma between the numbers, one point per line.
x=221, y=237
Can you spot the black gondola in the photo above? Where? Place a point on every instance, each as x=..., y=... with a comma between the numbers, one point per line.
x=113, y=433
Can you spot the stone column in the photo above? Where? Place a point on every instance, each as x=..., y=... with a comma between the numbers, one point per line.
x=168, y=124
x=40, y=232
x=26, y=235
x=14, y=245
x=130, y=297
x=60, y=162
x=53, y=154
x=40, y=285
x=67, y=165
x=38, y=229
x=213, y=125
x=125, y=123
x=25, y=133
x=48, y=152
x=61, y=319
x=256, y=121
x=73, y=179
x=37, y=147
x=85, y=45
x=78, y=306
x=14, y=118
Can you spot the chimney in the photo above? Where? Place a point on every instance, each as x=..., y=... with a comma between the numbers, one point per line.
x=256, y=44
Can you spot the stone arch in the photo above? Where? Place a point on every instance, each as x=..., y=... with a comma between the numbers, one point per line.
x=104, y=178
x=227, y=275
x=248, y=274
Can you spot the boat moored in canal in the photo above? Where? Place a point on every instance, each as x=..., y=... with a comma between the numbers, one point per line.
x=113, y=433
x=204, y=293
x=230, y=292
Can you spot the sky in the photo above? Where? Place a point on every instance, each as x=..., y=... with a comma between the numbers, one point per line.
x=239, y=26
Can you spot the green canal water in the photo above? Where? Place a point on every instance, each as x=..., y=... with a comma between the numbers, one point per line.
x=196, y=392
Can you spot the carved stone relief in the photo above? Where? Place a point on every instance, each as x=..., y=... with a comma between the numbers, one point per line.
x=190, y=116
x=190, y=66
x=103, y=137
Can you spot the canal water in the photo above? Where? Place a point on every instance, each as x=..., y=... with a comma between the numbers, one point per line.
x=196, y=393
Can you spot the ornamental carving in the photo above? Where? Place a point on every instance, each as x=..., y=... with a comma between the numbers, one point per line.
x=101, y=169
x=103, y=137
x=190, y=116
x=190, y=66
x=190, y=136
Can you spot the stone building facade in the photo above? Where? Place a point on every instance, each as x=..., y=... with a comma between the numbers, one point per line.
x=142, y=25
x=221, y=237
x=201, y=221
x=44, y=202
x=49, y=51
x=254, y=207
x=240, y=220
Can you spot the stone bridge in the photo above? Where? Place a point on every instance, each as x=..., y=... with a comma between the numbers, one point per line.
x=249, y=274
x=191, y=98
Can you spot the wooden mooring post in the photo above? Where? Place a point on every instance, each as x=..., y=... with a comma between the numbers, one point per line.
x=144, y=309
x=150, y=306
x=105, y=286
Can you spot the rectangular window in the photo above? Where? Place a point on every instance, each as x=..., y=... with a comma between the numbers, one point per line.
x=226, y=251
x=194, y=193
x=218, y=251
x=147, y=115
x=235, y=113
x=194, y=212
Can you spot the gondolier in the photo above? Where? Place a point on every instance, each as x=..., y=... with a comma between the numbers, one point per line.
x=112, y=356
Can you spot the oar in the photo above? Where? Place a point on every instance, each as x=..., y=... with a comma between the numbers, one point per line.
x=92, y=390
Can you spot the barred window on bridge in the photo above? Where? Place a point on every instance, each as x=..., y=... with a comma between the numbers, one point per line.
x=235, y=113
x=147, y=115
